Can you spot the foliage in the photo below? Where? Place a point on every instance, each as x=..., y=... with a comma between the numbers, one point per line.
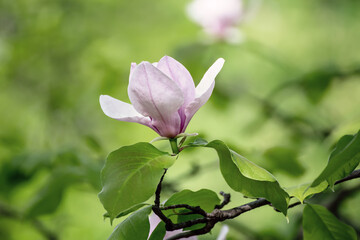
x=130, y=176
x=343, y=160
x=319, y=223
x=281, y=100
x=129, y=229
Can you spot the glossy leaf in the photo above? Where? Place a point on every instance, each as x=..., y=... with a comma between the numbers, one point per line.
x=159, y=232
x=130, y=176
x=135, y=227
x=250, y=169
x=319, y=223
x=343, y=160
x=248, y=178
x=301, y=192
x=204, y=198
x=127, y=211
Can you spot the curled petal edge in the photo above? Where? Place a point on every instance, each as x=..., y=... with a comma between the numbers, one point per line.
x=203, y=90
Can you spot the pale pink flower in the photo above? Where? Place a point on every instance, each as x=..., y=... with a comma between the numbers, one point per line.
x=163, y=96
x=218, y=18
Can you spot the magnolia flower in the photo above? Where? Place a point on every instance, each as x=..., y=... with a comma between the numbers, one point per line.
x=218, y=18
x=163, y=96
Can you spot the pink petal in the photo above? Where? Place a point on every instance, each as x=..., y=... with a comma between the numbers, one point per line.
x=154, y=94
x=203, y=90
x=132, y=67
x=177, y=72
x=122, y=111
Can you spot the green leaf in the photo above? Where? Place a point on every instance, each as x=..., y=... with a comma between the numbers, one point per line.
x=185, y=218
x=49, y=197
x=319, y=223
x=130, y=176
x=198, y=142
x=127, y=211
x=301, y=192
x=204, y=198
x=135, y=227
x=249, y=179
x=285, y=160
x=250, y=169
x=343, y=160
x=159, y=232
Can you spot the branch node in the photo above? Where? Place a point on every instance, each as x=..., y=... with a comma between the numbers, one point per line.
x=225, y=201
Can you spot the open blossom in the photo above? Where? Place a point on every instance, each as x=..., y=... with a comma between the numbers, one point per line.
x=163, y=96
x=218, y=18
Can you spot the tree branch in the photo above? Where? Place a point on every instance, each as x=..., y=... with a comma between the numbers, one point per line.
x=217, y=215
x=196, y=209
x=158, y=189
x=226, y=200
x=353, y=175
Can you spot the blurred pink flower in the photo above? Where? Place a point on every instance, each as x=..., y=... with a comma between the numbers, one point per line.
x=163, y=96
x=218, y=18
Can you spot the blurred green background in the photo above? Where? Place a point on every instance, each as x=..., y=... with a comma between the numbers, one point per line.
x=283, y=98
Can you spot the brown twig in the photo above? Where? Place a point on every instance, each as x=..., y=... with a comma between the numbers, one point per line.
x=353, y=175
x=195, y=209
x=217, y=215
x=225, y=201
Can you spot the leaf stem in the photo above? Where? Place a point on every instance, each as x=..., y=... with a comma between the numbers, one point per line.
x=174, y=146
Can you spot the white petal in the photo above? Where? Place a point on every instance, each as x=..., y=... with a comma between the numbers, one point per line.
x=209, y=79
x=132, y=67
x=121, y=111
x=154, y=94
x=203, y=90
x=178, y=73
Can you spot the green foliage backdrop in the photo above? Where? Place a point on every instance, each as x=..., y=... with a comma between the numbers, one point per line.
x=290, y=90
